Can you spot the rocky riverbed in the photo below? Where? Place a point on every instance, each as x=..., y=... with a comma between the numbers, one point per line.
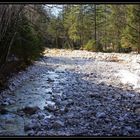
x=74, y=93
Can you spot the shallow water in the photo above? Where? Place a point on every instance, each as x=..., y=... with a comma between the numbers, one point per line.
x=32, y=93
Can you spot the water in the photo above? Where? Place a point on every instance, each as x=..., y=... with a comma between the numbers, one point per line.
x=35, y=92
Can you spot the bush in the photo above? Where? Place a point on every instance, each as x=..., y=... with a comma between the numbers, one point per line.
x=125, y=45
x=99, y=47
x=28, y=45
x=108, y=51
x=90, y=46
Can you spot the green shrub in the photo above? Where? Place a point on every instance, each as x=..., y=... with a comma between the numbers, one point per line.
x=91, y=46
x=108, y=51
x=125, y=45
x=28, y=45
x=99, y=47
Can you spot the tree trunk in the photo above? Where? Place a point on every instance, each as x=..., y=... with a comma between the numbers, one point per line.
x=95, y=27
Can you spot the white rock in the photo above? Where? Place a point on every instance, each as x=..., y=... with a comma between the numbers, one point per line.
x=128, y=77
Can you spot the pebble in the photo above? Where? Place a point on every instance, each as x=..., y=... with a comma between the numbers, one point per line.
x=30, y=110
x=128, y=128
x=86, y=98
x=58, y=124
x=100, y=115
x=50, y=108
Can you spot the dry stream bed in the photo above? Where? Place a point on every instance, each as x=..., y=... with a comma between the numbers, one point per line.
x=74, y=93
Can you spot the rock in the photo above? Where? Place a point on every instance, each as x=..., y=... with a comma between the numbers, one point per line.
x=58, y=100
x=137, y=110
x=86, y=99
x=50, y=107
x=102, y=83
x=49, y=92
x=41, y=115
x=69, y=102
x=131, y=95
x=3, y=111
x=121, y=118
x=5, y=103
x=11, y=102
x=117, y=96
x=107, y=120
x=128, y=128
x=34, y=116
x=50, y=80
x=63, y=110
x=41, y=133
x=31, y=125
x=100, y=115
x=95, y=89
x=31, y=133
x=12, y=124
x=58, y=124
x=43, y=86
x=94, y=94
x=30, y=110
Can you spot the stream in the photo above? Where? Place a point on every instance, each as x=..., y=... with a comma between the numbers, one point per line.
x=64, y=95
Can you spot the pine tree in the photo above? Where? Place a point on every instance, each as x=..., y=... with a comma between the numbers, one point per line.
x=133, y=27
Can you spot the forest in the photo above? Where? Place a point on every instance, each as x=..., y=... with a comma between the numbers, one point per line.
x=27, y=29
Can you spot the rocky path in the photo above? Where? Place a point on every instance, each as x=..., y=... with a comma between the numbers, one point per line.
x=73, y=93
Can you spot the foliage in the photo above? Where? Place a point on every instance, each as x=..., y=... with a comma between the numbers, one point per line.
x=87, y=26
x=28, y=44
x=125, y=42
x=90, y=46
x=77, y=25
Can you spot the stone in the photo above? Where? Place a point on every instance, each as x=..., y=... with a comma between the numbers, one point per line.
x=3, y=110
x=137, y=102
x=30, y=110
x=86, y=99
x=50, y=80
x=121, y=118
x=5, y=103
x=41, y=115
x=137, y=110
x=131, y=95
x=100, y=115
x=94, y=95
x=128, y=128
x=31, y=125
x=50, y=108
x=12, y=124
x=30, y=133
x=49, y=92
x=11, y=102
x=58, y=124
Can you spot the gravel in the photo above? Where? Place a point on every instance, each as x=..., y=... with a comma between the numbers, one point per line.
x=75, y=93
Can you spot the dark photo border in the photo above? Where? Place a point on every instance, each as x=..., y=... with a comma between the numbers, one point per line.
x=67, y=2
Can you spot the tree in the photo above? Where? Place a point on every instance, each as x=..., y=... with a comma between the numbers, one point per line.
x=117, y=24
x=9, y=19
x=132, y=31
